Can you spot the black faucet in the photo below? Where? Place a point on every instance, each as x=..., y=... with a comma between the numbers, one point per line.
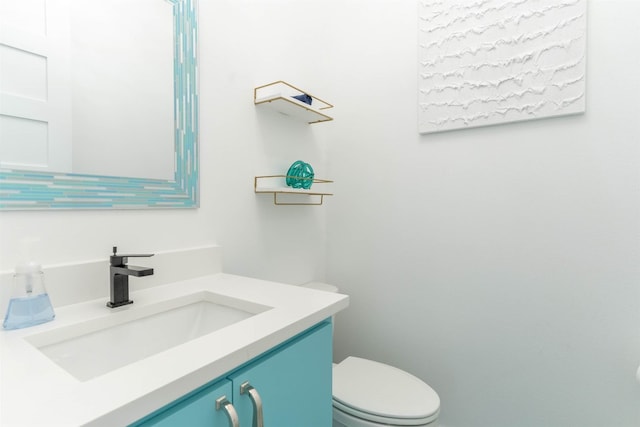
x=119, y=273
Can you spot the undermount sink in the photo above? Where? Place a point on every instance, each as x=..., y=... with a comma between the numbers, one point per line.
x=98, y=346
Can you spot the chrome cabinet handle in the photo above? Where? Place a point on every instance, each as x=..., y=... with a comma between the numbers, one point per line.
x=223, y=403
x=246, y=388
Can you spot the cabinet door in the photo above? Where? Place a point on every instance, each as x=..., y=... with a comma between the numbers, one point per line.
x=294, y=383
x=196, y=410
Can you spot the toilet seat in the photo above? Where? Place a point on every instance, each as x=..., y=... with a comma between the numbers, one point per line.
x=380, y=393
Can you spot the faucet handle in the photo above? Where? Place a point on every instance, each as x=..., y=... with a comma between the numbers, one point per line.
x=121, y=259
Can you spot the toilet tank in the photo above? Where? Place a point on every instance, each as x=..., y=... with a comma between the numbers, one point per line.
x=320, y=286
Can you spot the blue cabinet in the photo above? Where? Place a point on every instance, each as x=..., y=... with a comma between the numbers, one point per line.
x=294, y=383
x=291, y=383
x=199, y=409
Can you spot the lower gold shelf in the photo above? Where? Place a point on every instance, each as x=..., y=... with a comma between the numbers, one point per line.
x=276, y=190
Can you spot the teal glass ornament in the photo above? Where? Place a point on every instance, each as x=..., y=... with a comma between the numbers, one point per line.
x=300, y=175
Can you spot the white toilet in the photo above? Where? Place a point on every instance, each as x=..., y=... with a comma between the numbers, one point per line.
x=372, y=394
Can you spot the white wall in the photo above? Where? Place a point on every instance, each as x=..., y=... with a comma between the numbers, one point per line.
x=246, y=44
x=500, y=264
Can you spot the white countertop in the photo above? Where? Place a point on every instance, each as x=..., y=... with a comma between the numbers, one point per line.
x=35, y=391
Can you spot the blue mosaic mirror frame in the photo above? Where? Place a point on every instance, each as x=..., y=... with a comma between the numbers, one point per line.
x=22, y=190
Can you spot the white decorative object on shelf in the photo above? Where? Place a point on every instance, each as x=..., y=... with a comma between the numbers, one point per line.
x=280, y=96
x=276, y=186
x=482, y=62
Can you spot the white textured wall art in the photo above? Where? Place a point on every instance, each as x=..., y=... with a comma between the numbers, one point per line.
x=483, y=62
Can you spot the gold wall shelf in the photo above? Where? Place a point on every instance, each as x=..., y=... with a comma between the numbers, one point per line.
x=279, y=96
x=279, y=188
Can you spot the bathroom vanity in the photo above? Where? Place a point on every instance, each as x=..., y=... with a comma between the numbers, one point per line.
x=192, y=352
x=292, y=382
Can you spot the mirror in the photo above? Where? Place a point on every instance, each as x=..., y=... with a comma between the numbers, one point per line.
x=174, y=181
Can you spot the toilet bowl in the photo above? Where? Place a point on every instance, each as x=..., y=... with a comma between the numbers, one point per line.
x=367, y=393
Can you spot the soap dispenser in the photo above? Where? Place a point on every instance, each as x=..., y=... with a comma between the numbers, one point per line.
x=29, y=304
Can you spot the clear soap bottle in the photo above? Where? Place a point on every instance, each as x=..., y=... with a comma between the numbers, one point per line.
x=29, y=304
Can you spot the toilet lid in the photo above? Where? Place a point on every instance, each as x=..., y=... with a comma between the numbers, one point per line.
x=378, y=392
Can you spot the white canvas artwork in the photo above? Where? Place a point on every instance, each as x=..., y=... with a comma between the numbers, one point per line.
x=483, y=62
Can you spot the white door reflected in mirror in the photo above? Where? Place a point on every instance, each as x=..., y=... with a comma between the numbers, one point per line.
x=87, y=87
